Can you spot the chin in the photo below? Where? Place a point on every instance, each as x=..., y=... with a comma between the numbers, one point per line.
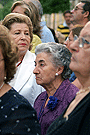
x=72, y=66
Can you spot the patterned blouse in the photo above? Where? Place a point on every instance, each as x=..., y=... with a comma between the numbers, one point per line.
x=17, y=116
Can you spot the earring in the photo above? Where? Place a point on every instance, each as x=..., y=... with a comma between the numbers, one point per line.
x=56, y=74
x=5, y=78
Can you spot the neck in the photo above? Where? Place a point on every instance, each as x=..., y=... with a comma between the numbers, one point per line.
x=21, y=55
x=52, y=87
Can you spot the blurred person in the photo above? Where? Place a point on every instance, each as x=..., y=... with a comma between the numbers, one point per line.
x=16, y=114
x=75, y=120
x=74, y=33
x=52, y=73
x=20, y=31
x=46, y=35
x=64, y=28
x=81, y=13
x=31, y=11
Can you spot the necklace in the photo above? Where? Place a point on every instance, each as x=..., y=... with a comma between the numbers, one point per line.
x=82, y=91
x=1, y=85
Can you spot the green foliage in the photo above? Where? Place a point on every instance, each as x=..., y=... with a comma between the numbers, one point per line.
x=54, y=6
x=49, y=6
x=6, y=8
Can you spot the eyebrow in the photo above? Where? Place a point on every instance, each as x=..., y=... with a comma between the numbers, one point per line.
x=40, y=61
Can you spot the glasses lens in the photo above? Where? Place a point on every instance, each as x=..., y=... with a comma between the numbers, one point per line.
x=81, y=42
x=75, y=37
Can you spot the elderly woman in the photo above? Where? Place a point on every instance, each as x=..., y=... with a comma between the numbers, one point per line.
x=16, y=114
x=52, y=72
x=20, y=31
x=75, y=120
x=31, y=11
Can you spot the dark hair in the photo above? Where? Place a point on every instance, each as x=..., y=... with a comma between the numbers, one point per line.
x=86, y=6
x=76, y=29
x=9, y=53
x=59, y=56
x=65, y=12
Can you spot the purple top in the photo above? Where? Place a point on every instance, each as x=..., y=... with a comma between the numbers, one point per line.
x=65, y=94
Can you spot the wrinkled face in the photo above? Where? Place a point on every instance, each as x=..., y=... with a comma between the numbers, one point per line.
x=18, y=9
x=69, y=41
x=67, y=18
x=44, y=69
x=2, y=68
x=77, y=15
x=80, y=60
x=19, y=34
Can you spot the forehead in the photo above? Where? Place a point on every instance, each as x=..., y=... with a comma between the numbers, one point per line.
x=67, y=14
x=42, y=57
x=85, y=31
x=19, y=9
x=80, y=4
x=17, y=25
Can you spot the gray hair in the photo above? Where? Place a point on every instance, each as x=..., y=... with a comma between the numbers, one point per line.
x=59, y=56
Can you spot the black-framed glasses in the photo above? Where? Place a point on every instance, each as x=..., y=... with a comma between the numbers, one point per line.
x=77, y=8
x=81, y=41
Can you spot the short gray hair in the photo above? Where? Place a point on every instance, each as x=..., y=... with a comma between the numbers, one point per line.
x=60, y=56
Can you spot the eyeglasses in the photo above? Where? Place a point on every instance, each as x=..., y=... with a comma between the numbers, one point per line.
x=81, y=41
x=77, y=8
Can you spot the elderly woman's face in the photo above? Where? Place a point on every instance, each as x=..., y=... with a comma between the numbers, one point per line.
x=19, y=33
x=2, y=68
x=44, y=70
x=80, y=60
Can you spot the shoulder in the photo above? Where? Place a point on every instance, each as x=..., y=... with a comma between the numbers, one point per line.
x=20, y=117
x=70, y=90
x=29, y=56
x=61, y=26
x=40, y=98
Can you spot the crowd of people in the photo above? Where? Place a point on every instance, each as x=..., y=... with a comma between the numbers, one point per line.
x=45, y=75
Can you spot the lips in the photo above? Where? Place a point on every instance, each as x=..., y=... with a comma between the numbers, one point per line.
x=23, y=44
x=72, y=58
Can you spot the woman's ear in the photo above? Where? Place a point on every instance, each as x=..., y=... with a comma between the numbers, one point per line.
x=60, y=70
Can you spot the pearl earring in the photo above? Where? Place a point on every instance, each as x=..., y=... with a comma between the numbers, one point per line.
x=56, y=74
x=5, y=78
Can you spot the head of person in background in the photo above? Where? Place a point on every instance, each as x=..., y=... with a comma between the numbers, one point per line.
x=29, y=10
x=38, y=5
x=67, y=16
x=75, y=31
x=81, y=13
x=52, y=73
x=20, y=31
x=46, y=34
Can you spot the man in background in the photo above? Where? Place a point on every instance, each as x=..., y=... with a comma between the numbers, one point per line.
x=81, y=13
x=64, y=28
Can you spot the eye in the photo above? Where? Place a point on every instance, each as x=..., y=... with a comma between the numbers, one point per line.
x=42, y=64
x=27, y=33
x=16, y=33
